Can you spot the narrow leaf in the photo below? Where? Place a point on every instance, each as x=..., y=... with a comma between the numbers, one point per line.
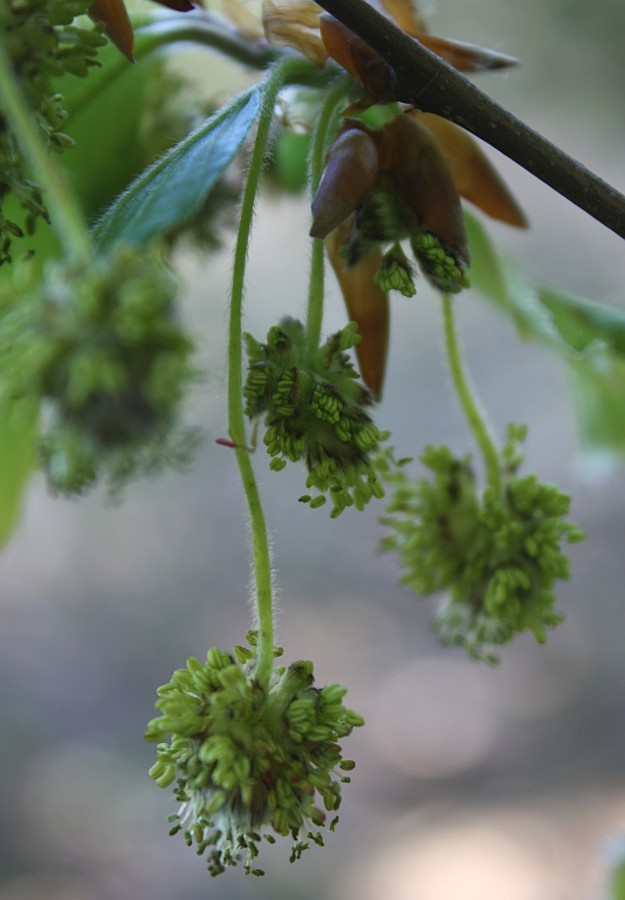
x=580, y=322
x=589, y=336
x=502, y=283
x=172, y=190
x=598, y=383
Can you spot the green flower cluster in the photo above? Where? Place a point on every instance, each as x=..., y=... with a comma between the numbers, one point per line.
x=43, y=45
x=384, y=216
x=396, y=272
x=101, y=344
x=250, y=763
x=315, y=410
x=496, y=556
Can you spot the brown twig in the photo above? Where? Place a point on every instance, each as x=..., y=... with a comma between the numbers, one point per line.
x=426, y=81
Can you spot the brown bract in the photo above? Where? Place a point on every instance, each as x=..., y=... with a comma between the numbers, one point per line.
x=428, y=167
x=114, y=15
x=401, y=166
x=366, y=303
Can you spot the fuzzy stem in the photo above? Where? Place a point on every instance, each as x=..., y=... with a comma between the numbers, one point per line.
x=468, y=401
x=236, y=417
x=316, y=159
x=66, y=215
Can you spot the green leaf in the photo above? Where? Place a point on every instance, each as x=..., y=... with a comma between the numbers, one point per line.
x=289, y=161
x=598, y=383
x=104, y=120
x=581, y=322
x=172, y=190
x=18, y=439
x=501, y=282
x=589, y=336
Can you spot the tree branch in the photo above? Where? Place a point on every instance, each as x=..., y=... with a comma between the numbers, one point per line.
x=426, y=81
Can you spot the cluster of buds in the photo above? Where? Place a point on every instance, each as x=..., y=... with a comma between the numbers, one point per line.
x=497, y=556
x=42, y=44
x=396, y=184
x=100, y=342
x=250, y=763
x=315, y=410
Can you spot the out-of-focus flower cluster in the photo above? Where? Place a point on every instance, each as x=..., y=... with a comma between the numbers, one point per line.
x=250, y=763
x=100, y=342
x=497, y=556
x=317, y=411
x=42, y=44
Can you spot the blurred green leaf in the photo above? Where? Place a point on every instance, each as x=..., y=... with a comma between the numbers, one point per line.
x=580, y=322
x=172, y=190
x=501, y=282
x=290, y=160
x=104, y=120
x=589, y=335
x=18, y=439
x=598, y=382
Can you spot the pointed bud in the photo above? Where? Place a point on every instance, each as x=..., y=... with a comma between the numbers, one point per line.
x=351, y=172
x=418, y=173
x=117, y=24
x=351, y=52
x=466, y=57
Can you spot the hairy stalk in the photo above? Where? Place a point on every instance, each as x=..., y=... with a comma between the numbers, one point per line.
x=236, y=418
x=468, y=401
x=316, y=159
x=65, y=214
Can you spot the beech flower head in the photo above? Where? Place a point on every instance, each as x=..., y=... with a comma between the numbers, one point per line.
x=250, y=763
x=315, y=410
x=100, y=343
x=497, y=557
x=42, y=45
x=366, y=205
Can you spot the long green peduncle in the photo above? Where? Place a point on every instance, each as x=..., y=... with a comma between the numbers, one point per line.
x=236, y=418
x=468, y=401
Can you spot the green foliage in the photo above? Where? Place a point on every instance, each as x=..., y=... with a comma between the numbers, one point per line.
x=171, y=191
x=589, y=336
x=105, y=159
x=247, y=762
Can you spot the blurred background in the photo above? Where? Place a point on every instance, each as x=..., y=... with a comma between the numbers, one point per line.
x=472, y=782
